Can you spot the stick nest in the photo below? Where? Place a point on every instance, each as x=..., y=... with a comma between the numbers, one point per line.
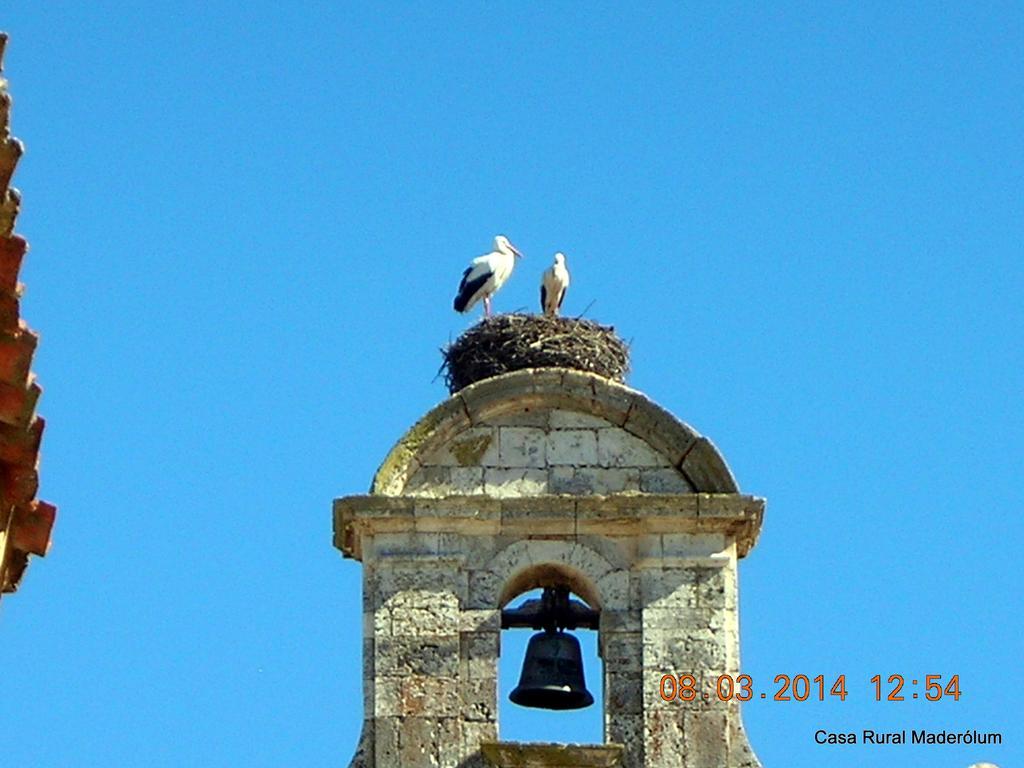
x=512, y=342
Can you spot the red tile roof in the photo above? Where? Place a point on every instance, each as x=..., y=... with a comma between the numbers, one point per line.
x=25, y=522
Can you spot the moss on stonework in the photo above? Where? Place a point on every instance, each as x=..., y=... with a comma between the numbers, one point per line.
x=409, y=446
x=395, y=462
x=468, y=452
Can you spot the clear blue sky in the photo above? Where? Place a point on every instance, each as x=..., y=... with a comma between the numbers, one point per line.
x=247, y=226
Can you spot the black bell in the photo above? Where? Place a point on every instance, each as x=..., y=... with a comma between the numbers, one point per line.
x=552, y=675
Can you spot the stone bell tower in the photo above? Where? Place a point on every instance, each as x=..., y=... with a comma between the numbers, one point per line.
x=538, y=478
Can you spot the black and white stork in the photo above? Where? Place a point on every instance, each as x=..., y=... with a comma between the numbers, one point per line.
x=485, y=275
x=553, y=285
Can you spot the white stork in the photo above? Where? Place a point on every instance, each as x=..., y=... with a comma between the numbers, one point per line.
x=485, y=275
x=553, y=286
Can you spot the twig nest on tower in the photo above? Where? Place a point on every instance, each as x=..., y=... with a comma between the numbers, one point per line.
x=512, y=342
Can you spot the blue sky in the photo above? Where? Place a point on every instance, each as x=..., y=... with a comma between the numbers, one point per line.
x=247, y=225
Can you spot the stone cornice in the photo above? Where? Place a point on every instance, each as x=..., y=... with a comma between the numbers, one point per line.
x=630, y=514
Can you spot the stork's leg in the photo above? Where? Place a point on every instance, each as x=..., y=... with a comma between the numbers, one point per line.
x=487, y=306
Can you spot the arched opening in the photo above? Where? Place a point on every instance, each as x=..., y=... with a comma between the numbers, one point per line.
x=529, y=724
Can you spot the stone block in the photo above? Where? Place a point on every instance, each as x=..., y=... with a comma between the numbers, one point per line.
x=394, y=472
x=618, y=448
x=621, y=621
x=385, y=741
x=678, y=619
x=627, y=729
x=472, y=447
x=560, y=551
x=370, y=602
x=563, y=480
x=623, y=693
x=562, y=419
x=742, y=756
x=510, y=754
x=479, y=699
x=428, y=481
x=441, y=482
x=479, y=652
x=511, y=559
x=648, y=547
x=668, y=588
x=466, y=480
x=484, y=589
x=692, y=545
x=589, y=563
x=386, y=696
x=600, y=481
x=416, y=695
x=505, y=483
x=417, y=583
x=613, y=589
x=615, y=552
x=474, y=733
x=521, y=447
x=378, y=622
x=611, y=523
x=663, y=480
x=677, y=653
x=621, y=651
x=661, y=431
x=524, y=416
x=410, y=598
x=663, y=736
x=705, y=740
x=732, y=506
x=527, y=518
x=494, y=397
x=427, y=742
x=440, y=618
x=706, y=470
x=731, y=643
x=453, y=548
x=369, y=652
x=427, y=655
x=575, y=447
x=480, y=620
x=595, y=395
x=398, y=544
x=716, y=588
x=453, y=512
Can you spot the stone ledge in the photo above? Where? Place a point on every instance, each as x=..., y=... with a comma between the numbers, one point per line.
x=630, y=514
x=513, y=754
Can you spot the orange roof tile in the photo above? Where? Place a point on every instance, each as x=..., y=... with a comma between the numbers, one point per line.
x=25, y=522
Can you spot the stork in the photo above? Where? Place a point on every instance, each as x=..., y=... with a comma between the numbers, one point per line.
x=485, y=275
x=553, y=285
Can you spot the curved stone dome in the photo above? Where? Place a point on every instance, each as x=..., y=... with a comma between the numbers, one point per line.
x=551, y=430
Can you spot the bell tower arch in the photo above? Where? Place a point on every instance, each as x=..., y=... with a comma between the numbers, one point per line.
x=555, y=479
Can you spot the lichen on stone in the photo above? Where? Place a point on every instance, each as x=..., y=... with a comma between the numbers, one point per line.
x=468, y=452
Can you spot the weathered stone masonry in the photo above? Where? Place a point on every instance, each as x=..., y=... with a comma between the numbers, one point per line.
x=531, y=479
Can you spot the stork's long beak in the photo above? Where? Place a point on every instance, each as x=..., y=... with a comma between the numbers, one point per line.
x=515, y=250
